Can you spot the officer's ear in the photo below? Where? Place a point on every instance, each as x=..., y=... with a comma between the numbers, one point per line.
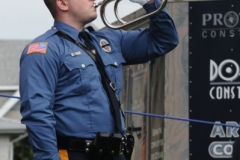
x=62, y=5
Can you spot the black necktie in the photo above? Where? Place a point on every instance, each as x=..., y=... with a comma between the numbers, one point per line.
x=107, y=84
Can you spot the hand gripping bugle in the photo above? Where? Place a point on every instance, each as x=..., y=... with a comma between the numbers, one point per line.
x=123, y=24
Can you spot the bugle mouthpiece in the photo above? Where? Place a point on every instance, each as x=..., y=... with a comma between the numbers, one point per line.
x=97, y=4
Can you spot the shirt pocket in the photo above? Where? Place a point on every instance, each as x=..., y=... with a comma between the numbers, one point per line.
x=113, y=67
x=80, y=74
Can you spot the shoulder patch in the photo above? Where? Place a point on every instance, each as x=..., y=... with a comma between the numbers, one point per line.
x=38, y=47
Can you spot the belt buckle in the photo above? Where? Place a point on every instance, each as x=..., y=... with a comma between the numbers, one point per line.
x=113, y=86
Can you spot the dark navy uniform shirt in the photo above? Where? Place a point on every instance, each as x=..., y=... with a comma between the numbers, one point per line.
x=60, y=86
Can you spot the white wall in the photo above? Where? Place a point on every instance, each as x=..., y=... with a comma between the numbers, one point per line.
x=5, y=147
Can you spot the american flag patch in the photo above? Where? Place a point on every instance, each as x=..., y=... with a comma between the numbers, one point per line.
x=38, y=47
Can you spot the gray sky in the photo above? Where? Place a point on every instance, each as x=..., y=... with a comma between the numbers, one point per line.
x=26, y=19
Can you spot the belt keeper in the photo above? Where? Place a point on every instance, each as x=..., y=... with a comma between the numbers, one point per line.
x=100, y=142
x=117, y=144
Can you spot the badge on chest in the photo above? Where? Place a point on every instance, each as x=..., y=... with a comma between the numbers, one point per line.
x=105, y=45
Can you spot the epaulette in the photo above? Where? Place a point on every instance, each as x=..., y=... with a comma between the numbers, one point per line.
x=46, y=35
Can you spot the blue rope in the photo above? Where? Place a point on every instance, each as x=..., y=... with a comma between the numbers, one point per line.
x=159, y=116
x=8, y=96
x=180, y=119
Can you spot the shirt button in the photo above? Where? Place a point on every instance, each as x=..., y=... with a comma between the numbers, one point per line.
x=115, y=63
x=83, y=66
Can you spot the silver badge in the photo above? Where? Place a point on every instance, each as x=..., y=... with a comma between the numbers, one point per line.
x=105, y=45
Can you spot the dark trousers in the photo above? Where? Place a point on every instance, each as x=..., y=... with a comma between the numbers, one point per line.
x=236, y=149
x=72, y=155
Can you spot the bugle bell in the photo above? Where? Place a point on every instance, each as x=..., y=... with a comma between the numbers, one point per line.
x=123, y=24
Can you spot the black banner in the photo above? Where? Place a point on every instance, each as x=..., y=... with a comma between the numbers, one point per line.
x=214, y=81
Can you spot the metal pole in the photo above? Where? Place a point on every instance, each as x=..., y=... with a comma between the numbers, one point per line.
x=148, y=127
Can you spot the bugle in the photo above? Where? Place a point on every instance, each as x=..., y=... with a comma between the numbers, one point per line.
x=123, y=24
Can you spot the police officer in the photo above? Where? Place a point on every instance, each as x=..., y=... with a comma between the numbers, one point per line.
x=63, y=102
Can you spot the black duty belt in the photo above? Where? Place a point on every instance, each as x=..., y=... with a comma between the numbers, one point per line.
x=75, y=144
x=101, y=146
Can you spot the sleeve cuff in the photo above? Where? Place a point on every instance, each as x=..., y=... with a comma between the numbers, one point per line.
x=153, y=6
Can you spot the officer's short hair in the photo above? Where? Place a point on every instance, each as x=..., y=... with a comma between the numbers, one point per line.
x=51, y=5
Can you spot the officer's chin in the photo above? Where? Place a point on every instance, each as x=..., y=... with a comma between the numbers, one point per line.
x=92, y=19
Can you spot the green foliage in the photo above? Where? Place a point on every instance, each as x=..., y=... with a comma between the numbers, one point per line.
x=22, y=150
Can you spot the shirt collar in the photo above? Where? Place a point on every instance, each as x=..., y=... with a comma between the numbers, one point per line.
x=71, y=31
